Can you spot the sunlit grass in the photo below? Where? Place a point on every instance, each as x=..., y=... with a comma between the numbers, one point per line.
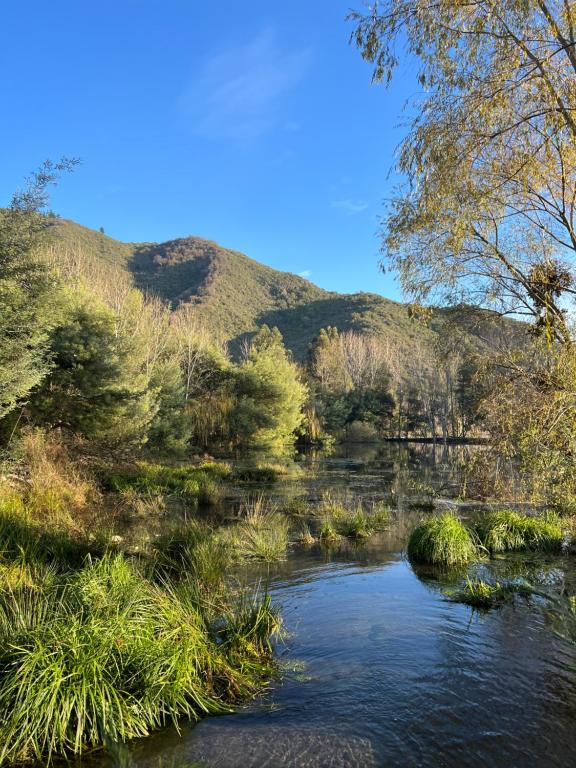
x=442, y=540
x=199, y=483
x=107, y=653
x=508, y=531
x=262, y=532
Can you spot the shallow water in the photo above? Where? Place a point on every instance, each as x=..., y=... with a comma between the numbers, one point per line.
x=380, y=669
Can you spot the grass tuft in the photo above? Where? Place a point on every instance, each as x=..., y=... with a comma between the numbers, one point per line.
x=484, y=596
x=442, y=540
x=262, y=533
x=508, y=531
x=106, y=653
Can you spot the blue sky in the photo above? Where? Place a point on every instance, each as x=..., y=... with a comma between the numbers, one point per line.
x=253, y=124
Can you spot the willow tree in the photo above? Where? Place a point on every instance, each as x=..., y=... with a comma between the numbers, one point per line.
x=487, y=212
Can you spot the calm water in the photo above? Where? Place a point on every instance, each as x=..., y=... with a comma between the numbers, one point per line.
x=379, y=668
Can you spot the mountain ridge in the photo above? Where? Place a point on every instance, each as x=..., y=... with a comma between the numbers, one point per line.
x=233, y=294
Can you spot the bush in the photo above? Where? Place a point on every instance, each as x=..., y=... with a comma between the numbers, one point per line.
x=442, y=540
x=361, y=432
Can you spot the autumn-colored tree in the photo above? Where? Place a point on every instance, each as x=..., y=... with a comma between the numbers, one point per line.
x=487, y=213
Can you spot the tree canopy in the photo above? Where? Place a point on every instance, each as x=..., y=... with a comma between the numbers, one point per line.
x=487, y=211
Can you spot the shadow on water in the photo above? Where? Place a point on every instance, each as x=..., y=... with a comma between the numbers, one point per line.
x=379, y=668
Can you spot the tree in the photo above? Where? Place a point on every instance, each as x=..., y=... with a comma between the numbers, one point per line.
x=487, y=214
x=350, y=379
x=96, y=386
x=27, y=289
x=270, y=395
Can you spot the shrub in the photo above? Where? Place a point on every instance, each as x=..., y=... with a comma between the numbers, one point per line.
x=442, y=540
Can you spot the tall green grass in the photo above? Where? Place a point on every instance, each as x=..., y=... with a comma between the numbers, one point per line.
x=508, y=531
x=108, y=653
x=197, y=483
x=442, y=540
x=350, y=518
x=262, y=532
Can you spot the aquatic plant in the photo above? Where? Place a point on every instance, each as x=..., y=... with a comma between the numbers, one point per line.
x=305, y=536
x=199, y=483
x=442, y=540
x=351, y=517
x=196, y=552
x=484, y=595
x=506, y=530
x=109, y=653
x=262, y=533
x=354, y=524
x=328, y=533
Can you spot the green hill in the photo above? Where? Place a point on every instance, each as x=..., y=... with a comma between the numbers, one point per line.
x=234, y=294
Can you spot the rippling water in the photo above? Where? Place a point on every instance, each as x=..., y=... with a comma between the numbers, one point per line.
x=382, y=670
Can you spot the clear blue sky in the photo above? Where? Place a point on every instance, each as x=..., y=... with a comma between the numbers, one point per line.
x=253, y=124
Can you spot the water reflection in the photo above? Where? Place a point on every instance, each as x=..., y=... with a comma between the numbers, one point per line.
x=389, y=672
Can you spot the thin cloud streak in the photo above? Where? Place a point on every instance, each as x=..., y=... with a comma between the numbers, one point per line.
x=351, y=207
x=238, y=93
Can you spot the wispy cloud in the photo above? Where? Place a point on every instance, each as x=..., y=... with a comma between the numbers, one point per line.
x=350, y=207
x=237, y=93
x=305, y=273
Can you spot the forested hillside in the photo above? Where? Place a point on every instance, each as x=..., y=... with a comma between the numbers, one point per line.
x=234, y=295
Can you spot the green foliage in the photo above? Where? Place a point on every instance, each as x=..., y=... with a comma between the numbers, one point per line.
x=262, y=533
x=269, y=394
x=343, y=517
x=111, y=655
x=28, y=297
x=442, y=540
x=506, y=531
x=94, y=388
x=482, y=214
x=483, y=595
x=192, y=482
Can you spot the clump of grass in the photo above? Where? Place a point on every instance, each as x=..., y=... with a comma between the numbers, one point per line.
x=195, y=483
x=262, y=533
x=328, y=532
x=352, y=518
x=442, y=540
x=263, y=472
x=196, y=552
x=483, y=595
x=299, y=507
x=354, y=525
x=305, y=536
x=109, y=654
x=508, y=531
x=136, y=504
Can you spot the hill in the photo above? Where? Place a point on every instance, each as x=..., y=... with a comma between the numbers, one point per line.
x=234, y=294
